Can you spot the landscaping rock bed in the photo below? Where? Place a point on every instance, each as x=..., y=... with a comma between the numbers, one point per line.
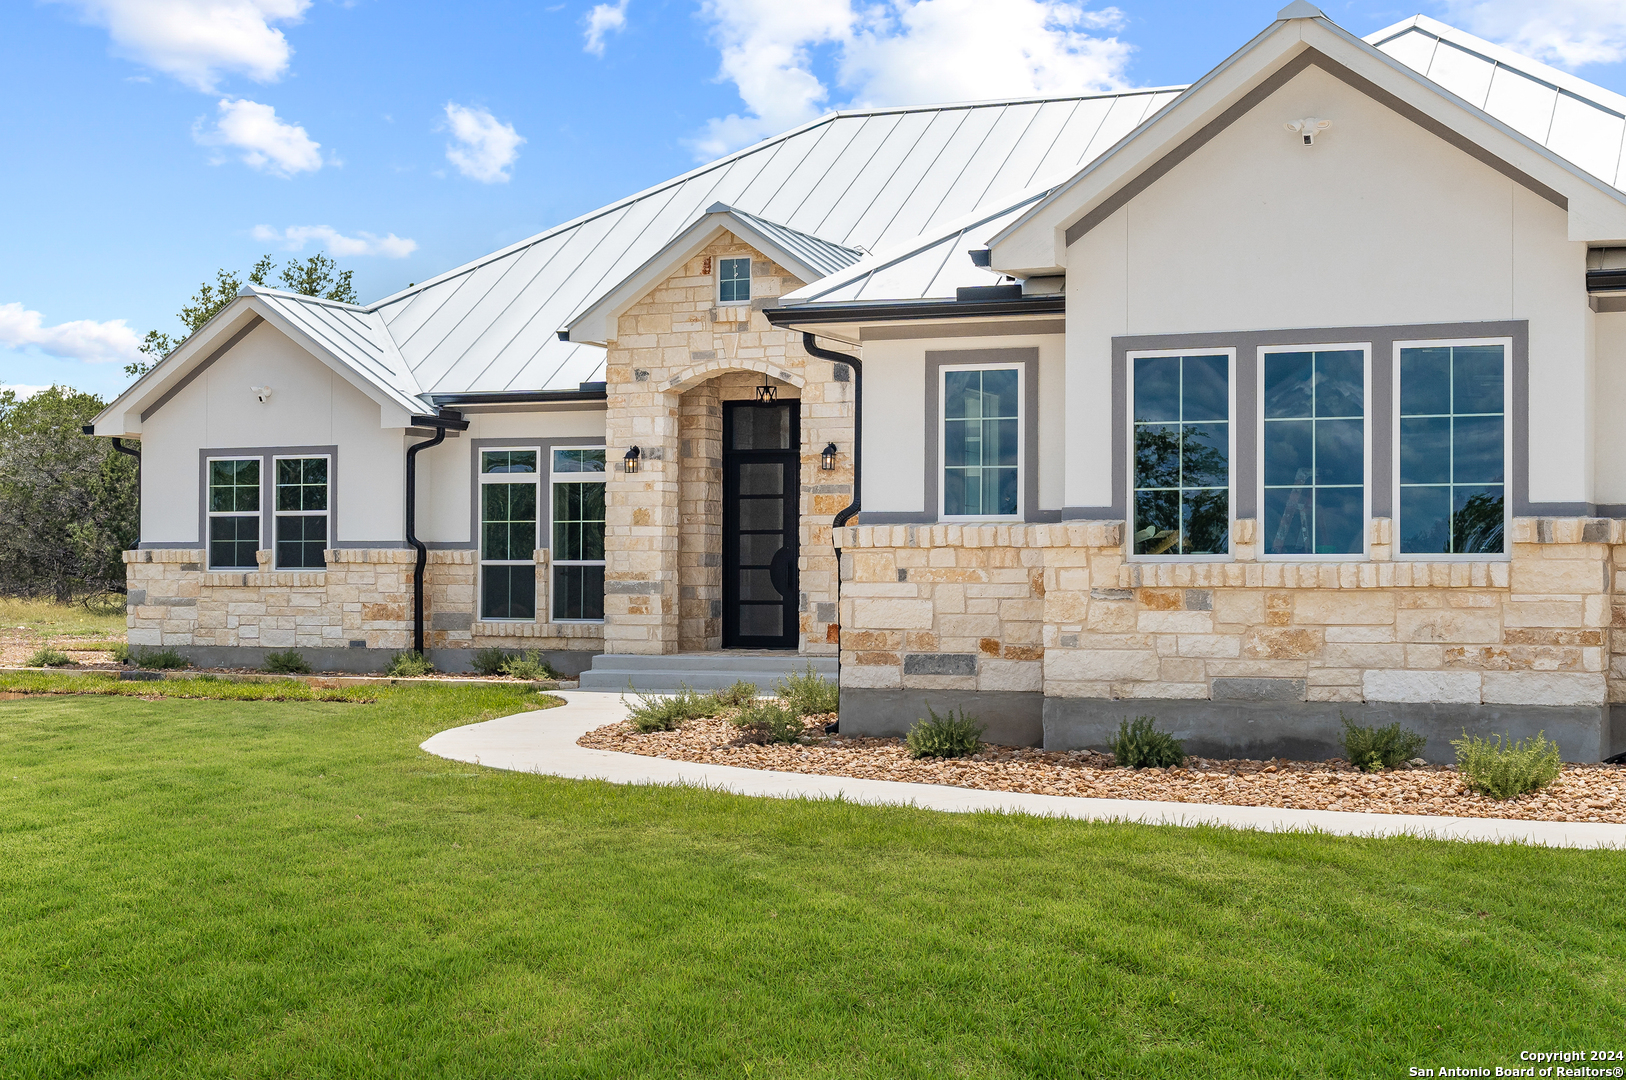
x=1582, y=792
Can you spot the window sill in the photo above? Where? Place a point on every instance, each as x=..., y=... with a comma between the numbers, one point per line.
x=1322, y=574
x=262, y=578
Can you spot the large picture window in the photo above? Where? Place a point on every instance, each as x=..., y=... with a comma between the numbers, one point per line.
x=982, y=442
x=508, y=534
x=300, y=508
x=1314, y=459
x=1182, y=455
x=234, y=513
x=578, y=534
x=1452, y=449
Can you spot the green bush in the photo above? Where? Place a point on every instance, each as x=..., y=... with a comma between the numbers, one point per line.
x=741, y=693
x=49, y=657
x=1140, y=745
x=775, y=723
x=808, y=692
x=1376, y=749
x=287, y=662
x=663, y=712
x=1504, y=771
x=154, y=659
x=488, y=661
x=407, y=665
x=945, y=736
x=530, y=666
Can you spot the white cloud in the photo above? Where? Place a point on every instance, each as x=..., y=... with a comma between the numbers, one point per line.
x=199, y=41
x=268, y=144
x=95, y=342
x=485, y=147
x=295, y=237
x=902, y=52
x=1568, y=33
x=603, y=19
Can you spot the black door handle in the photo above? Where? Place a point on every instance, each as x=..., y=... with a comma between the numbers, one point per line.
x=779, y=571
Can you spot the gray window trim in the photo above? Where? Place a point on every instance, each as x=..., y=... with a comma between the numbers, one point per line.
x=1380, y=408
x=577, y=444
x=1129, y=524
x=750, y=279
x=544, y=514
x=267, y=454
x=1028, y=358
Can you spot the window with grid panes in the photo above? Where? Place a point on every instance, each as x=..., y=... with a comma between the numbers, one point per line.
x=734, y=281
x=1314, y=453
x=982, y=434
x=1182, y=468
x=578, y=533
x=234, y=513
x=1452, y=450
x=300, y=510
x=508, y=534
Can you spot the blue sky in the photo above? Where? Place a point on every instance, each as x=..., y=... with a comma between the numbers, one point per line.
x=150, y=143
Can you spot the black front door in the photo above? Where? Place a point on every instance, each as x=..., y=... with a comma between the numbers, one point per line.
x=761, y=481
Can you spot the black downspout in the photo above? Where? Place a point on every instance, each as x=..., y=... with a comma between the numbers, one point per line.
x=412, y=534
x=850, y=511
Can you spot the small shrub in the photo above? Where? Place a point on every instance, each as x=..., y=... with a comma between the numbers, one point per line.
x=120, y=653
x=1504, y=771
x=155, y=659
x=808, y=692
x=947, y=736
x=775, y=723
x=407, y=665
x=660, y=712
x=1376, y=749
x=530, y=666
x=741, y=693
x=488, y=661
x=287, y=662
x=1140, y=745
x=49, y=657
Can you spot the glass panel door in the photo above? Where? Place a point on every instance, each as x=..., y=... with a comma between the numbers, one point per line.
x=761, y=484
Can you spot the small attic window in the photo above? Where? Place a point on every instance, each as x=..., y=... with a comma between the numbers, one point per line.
x=733, y=281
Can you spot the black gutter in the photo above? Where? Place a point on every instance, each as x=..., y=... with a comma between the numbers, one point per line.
x=915, y=309
x=588, y=392
x=440, y=424
x=850, y=511
x=1606, y=280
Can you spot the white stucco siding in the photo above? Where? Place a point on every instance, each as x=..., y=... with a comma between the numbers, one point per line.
x=310, y=405
x=1610, y=406
x=895, y=421
x=1379, y=223
x=445, y=484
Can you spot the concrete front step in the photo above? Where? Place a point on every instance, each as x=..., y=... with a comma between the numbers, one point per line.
x=698, y=671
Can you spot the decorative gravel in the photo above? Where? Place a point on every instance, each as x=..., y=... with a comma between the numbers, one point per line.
x=1581, y=793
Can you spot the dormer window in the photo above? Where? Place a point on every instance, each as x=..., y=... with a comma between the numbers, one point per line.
x=734, y=281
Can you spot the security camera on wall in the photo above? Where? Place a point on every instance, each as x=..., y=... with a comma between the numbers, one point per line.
x=1308, y=127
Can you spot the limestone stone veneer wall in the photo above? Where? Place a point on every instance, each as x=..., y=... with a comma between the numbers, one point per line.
x=361, y=600
x=1059, y=609
x=677, y=357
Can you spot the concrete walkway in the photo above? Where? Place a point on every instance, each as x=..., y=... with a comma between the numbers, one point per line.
x=545, y=742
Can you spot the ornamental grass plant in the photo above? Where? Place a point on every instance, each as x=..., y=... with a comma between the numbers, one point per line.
x=1373, y=749
x=49, y=657
x=1140, y=745
x=664, y=712
x=409, y=665
x=771, y=720
x=287, y=662
x=808, y=692
x=952, y=735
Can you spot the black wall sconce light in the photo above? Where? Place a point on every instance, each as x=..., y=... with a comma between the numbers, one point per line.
x=767, y=394
x=629, y=463
x=827, y=459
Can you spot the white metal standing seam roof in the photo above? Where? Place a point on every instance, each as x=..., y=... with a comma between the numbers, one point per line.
x=1580, y=122
x=821, y=255
x=855, y=179
x=354, y=336
x=931, y=267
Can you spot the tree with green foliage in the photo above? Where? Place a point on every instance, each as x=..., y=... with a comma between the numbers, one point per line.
x=316, y=276
x=68, y=505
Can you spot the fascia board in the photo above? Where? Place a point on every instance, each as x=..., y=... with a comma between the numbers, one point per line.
x=593, y=326
x=122, y=417
x=1035, y=243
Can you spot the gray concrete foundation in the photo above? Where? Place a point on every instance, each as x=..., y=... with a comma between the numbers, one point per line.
x=1012, y=718
x=568, y=663
x=1312, y=731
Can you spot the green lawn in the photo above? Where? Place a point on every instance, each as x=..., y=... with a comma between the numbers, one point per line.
x=293, y=889
x=43, y=618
